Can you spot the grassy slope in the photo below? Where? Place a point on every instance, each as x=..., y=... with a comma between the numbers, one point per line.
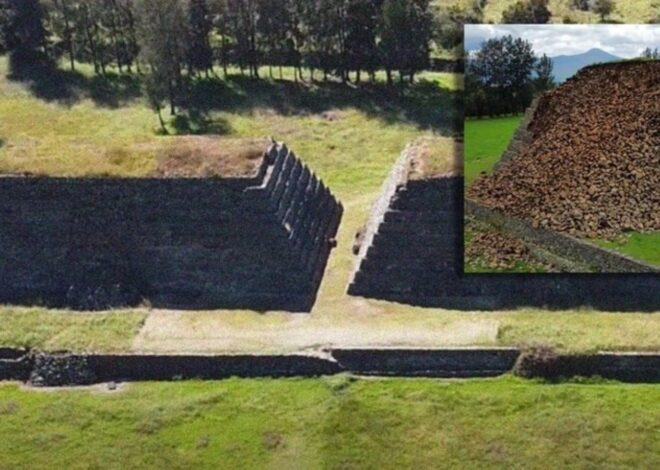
x=485, y=141
x=333, y=423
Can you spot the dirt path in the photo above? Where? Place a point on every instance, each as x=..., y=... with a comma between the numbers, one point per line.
x=249, y=332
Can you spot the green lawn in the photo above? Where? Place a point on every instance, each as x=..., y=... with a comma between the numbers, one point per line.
x=64, y=330
x=333, y=423
x=643, y=246
x=485, y=142
x=79, y=124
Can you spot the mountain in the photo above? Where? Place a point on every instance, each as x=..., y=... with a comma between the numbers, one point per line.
x=565, y=66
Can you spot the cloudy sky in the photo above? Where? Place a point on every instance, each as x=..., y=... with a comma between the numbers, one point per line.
x=624, y=40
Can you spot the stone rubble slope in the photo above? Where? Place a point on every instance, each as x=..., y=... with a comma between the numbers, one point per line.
x=592, y=165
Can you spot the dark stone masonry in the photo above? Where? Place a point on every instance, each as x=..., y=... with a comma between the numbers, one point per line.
x=64, y=369
x=257, y=243
x=412, y=252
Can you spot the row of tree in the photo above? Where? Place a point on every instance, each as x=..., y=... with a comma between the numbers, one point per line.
x=504, y=76
x=173, y=40
x=333, y=36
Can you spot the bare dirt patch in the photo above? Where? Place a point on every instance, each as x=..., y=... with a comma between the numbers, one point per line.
x=435, y=157
x=353, y=323
x=207, y=156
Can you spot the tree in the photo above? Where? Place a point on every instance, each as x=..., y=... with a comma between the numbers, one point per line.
x=405, y=34
x=162, y=38
x=527, y=12
x=544, y=79
x=22, y=30
x=199, y=54
x=448, y=30
x=503, y=68
x=603, y=8
x=653, y=54
x=63, y=20
x=361, y=34
x=273, y=25
x=156, y=91
x=243, y=28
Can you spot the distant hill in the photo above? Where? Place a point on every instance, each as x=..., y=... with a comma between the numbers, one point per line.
x=565, y=66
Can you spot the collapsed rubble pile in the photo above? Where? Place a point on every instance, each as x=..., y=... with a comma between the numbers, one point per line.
x=592, y=166
x=497, y=251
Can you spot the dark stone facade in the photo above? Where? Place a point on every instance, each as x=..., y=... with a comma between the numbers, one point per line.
x=62, y=368
x=94, y=243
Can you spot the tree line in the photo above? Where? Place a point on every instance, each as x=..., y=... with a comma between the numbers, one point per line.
x=503, y=77
x=172, y=41
x=333, y=37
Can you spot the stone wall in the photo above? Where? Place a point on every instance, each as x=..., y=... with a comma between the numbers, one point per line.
x=94, y=243
x=62, y=368
x=598, y=259
x=414, y=255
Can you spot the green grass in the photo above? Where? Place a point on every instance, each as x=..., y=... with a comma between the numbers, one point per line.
x=643, y=246
x=57, y=330
x=485, y=142
x=581, y=330
x=82, y=125
x=333, y=423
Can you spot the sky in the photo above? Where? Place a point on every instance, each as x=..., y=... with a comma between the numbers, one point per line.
x=622, y=40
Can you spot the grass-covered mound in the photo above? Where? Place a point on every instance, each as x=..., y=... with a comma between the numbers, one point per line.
x=332, y=423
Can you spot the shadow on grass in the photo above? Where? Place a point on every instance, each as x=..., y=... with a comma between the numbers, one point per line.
x=423, y=103
x=49, y=83
x=198, y=122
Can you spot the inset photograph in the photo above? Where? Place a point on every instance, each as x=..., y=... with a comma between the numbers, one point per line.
x=562, y=148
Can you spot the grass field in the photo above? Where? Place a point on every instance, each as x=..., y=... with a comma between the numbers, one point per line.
x=80, y=124
x=333, y=423
x=393, y=325
x=644, y=246
x=485, y=141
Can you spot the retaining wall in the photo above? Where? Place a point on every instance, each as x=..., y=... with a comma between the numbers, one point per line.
x=596, y=258
x=61, y=369
x=413, y=253
x=94, y=243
